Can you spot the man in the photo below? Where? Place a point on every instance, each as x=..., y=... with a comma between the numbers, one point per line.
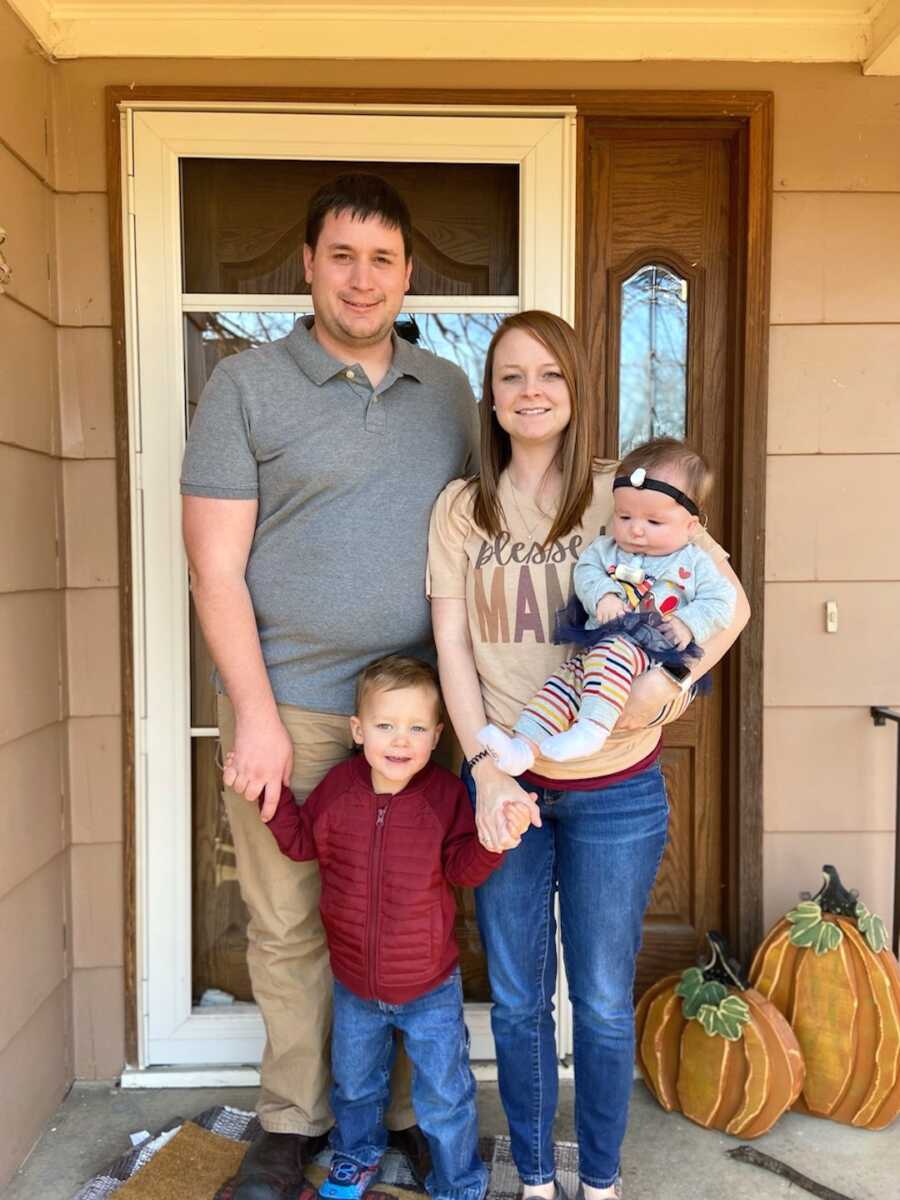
x=308, y=479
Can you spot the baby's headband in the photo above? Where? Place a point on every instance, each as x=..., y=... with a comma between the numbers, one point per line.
x=639, y=479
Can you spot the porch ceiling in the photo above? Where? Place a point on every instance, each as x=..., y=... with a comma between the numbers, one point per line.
x=862, y=31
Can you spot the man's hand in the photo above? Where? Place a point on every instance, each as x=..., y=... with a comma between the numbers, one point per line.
x=677, y=632
x=609, y=607
x=261, y=761
x=495, y=790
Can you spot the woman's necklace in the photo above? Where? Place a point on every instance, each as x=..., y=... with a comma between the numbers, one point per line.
x=542, y=516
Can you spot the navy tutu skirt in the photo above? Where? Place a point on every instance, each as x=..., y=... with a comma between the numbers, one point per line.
x=644, y=628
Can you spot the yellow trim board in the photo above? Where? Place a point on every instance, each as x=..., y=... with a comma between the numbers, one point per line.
x=575, y=30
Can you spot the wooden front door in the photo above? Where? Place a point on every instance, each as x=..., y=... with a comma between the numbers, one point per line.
x=660, y=229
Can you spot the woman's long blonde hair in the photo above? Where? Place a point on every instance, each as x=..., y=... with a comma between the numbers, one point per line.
x=576, y=451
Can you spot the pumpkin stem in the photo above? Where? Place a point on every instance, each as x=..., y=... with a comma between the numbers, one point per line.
x=721, y=967
x=833, y=897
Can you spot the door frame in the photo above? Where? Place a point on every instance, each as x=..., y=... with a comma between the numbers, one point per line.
x=742, y=751
x=173, y=1029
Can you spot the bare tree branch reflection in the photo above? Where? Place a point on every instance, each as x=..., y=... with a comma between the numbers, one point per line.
x=461, y=337
x=652, y=356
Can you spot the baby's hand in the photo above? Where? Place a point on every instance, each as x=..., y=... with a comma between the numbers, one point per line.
x=517, y=817
x=610, y=607
x=677, y=632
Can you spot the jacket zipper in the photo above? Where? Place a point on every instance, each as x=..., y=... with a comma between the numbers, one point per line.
x=375, y=893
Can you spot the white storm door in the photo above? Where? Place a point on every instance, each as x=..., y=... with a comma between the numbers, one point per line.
x=173, y=1028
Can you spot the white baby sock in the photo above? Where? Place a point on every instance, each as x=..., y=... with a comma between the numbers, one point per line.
x=512, y=754
x=580, y=740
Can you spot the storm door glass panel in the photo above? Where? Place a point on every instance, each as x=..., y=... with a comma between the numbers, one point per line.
x=653, y=343
x=219, y=917
x=244, y=223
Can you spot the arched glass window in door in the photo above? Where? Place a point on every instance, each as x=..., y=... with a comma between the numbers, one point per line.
x=653, y=343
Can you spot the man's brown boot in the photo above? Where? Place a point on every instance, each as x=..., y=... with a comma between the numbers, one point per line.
x=413, y=1145
x=273, y=1166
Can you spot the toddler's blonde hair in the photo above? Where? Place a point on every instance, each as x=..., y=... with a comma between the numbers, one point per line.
x=396, y=671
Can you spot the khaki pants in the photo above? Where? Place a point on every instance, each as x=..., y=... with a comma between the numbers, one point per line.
x=286, y=953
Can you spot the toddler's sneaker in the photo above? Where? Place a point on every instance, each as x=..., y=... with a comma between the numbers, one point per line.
x=347, y=1180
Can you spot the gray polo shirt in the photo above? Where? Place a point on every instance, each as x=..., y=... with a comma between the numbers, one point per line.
x=345, y=477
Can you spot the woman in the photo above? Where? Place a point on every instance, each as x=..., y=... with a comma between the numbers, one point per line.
x=501, y=554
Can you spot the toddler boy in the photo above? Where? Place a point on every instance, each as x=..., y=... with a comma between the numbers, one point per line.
x=392, y=831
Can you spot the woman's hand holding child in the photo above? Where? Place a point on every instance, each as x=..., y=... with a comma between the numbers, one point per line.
x=677, y=632
x=503, y=809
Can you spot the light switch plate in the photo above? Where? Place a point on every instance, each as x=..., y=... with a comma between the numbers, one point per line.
x=831, y=616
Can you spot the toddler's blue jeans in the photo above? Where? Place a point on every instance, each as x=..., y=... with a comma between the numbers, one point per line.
x=443, y=1088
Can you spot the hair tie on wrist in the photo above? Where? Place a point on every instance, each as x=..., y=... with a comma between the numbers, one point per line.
x=477, y=758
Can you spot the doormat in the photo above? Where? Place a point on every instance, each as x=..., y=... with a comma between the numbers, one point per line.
x=192, y=1160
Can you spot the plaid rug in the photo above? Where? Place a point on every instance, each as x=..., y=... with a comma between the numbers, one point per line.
x=395, y=1178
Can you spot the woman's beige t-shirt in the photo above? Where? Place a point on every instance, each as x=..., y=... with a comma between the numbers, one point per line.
x=513, y=587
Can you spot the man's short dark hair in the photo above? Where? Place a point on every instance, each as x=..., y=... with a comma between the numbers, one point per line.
x=363, y=196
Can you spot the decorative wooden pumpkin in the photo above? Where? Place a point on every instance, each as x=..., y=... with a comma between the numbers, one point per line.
x=827, y=967
x=711, y=1046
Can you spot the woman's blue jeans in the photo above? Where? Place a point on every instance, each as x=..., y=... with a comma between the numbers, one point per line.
x=601, y=850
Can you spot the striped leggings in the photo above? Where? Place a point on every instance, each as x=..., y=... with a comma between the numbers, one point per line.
x=592, y=686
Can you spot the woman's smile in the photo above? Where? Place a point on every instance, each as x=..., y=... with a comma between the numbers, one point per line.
x=531, y=397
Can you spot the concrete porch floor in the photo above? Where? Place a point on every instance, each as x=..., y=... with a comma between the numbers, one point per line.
x=665, y=1157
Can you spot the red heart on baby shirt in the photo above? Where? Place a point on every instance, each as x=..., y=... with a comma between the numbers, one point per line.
x=669, y=604
x=684, y=573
